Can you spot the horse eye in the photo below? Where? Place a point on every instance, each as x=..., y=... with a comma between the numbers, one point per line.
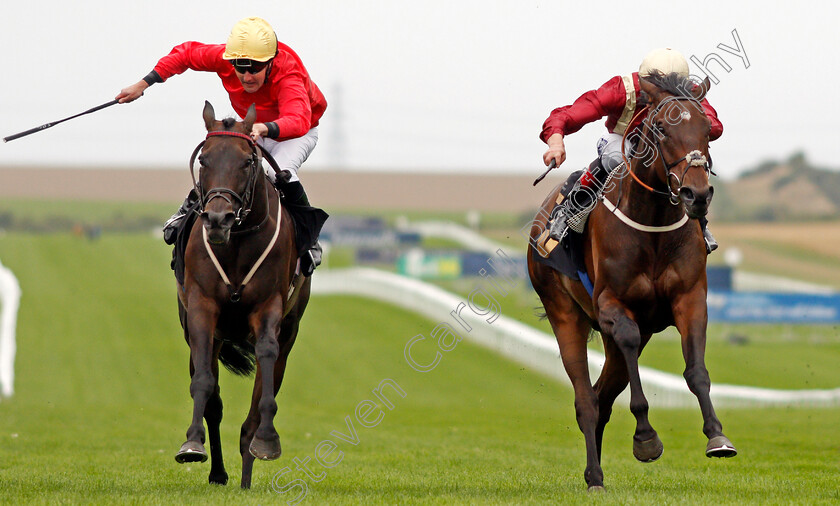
x=660, y=129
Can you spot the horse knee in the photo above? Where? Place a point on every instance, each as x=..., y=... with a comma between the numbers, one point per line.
x=267, y=349
x=586, y=410
x=697, y=379
x=202, y=383
x=626, y=335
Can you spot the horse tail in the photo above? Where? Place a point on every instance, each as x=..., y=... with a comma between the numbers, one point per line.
x=238, y=357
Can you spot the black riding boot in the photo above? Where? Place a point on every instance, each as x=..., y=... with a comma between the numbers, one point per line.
x=711, y=243
x=295, y=196
x=170, y=228
x=577, y=203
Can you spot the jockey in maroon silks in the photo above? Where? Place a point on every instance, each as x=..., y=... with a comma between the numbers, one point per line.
x=255, y=68
x=618, y=100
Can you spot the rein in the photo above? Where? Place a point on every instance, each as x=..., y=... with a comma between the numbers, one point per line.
x=227, y=194
x=245, y=202
x=693, y=159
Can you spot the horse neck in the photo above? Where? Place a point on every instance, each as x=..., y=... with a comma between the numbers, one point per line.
x=642, y=204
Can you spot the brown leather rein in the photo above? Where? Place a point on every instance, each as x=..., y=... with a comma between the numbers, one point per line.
x=245, y=200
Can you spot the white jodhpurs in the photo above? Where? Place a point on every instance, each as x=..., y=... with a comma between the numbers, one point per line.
x=290, y=154
x=609, y=149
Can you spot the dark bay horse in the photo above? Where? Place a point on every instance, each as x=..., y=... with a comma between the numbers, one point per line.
x=644, y=252
x=241, y=301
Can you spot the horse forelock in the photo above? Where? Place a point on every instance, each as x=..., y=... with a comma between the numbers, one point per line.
x=228, y=123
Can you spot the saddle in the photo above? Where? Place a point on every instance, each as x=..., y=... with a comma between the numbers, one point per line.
x=565, y=257
x=307, y=221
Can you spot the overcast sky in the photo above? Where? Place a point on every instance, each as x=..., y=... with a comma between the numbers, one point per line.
x=425, y=85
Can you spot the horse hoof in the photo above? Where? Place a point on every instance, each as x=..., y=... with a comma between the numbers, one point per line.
x=219, y=479
x=191, y=451
x=720, y=446
x=596, y=489
x=265, y=449
x=648, y=451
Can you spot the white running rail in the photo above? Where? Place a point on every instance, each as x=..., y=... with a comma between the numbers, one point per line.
x=538, y=350
x=9, y=303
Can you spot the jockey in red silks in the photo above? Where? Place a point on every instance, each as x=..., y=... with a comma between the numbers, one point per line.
x=255, y=68
x=618, y=100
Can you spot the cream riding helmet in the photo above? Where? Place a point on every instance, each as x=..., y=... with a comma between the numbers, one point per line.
x=664, y=60
x=251, y=41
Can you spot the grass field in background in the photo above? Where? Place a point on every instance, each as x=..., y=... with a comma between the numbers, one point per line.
x=782, y=356
x=102, y=405
x=806, y=251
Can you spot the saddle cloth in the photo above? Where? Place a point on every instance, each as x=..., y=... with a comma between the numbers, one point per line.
x=565, y=257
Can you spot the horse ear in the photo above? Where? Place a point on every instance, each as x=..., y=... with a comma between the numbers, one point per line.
x=250, y=117
x=209, y=115
x=701, y=89
x=649, y=90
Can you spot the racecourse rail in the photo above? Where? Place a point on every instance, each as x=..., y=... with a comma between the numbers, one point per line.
x=9, y=303
x=537, y=350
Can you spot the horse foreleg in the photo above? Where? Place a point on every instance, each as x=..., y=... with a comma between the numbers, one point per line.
x=201, y=324
x=266, y=325
x=617, y=323
x=253, y=420
x=690, y=318
x=213, y=417
x=249, y=427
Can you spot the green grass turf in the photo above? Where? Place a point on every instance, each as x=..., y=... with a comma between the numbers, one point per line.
x=781, y=356
x=102, y=405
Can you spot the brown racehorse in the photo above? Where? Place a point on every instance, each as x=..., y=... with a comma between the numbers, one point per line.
x=643, y=281
x=235, y=304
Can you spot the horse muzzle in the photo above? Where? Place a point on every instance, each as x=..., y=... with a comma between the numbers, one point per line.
x=218, y=225
x=696, y=201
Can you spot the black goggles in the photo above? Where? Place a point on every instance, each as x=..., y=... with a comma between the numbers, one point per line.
x=244, y=65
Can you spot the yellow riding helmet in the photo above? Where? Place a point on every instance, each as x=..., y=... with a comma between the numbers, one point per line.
x=664, y=60
x=251, y=38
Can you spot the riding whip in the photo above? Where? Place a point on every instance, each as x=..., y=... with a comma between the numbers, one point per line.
x=48, y=125
x=550, y=166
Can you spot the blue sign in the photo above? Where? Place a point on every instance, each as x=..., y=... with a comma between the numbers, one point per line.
x=755, y=307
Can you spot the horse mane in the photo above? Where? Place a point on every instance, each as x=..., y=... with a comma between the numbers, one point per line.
x=673, y=83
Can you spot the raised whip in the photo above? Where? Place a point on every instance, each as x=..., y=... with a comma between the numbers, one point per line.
x=48, y=125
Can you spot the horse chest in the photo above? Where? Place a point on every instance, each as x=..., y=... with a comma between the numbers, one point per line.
x=639, y=290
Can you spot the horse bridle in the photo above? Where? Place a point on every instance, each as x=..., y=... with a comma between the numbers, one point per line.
x=245, y=200
x=694, y=158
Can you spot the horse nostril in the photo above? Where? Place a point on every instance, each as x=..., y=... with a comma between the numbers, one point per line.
x=686, y=194
x=218, y=220
x=711, y=194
